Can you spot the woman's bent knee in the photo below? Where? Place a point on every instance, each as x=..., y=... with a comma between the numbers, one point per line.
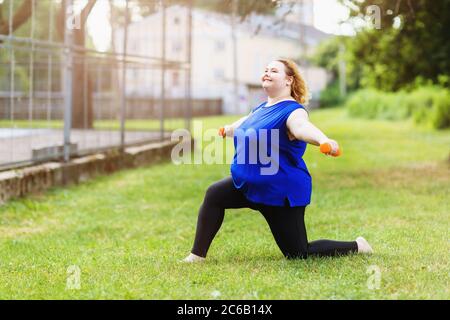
x=217, y=190
x=212, y=192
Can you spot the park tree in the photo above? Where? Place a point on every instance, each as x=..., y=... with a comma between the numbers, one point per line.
x=243, y=7
x=329, y=54
x=21, y=16
x=82, y=86
x=82, y=117
x=407, y=41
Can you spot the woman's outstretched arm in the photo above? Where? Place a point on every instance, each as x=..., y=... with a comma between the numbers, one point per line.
x=229, y=129
x=301, y=128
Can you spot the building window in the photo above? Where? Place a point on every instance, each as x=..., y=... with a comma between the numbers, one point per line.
x=220, y=45
x=135, y=48
x=219, y=74
x=175, y=79
x=176, y=46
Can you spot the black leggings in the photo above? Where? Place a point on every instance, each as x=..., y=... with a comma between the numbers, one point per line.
x=286, y=223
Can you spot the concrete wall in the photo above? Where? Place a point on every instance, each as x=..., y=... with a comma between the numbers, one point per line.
x=19, y=182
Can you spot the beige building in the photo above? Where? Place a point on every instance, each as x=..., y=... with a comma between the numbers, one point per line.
x=259, y=40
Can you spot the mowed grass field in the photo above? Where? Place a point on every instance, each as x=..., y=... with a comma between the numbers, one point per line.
x=124, y=234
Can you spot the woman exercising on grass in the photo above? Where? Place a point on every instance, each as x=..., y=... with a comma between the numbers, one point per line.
x=280, y=194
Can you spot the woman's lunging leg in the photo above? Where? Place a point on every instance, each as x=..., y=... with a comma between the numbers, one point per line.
x=220, y=195
x=288, y=228
x=332, y=247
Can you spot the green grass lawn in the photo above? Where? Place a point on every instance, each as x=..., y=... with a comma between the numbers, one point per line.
x=126, y=232
x=150, y=124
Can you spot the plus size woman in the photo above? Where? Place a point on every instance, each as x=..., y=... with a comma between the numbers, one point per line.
x=282, y=194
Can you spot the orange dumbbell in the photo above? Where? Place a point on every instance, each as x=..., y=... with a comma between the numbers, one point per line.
x=222, y=132
x=326, y=148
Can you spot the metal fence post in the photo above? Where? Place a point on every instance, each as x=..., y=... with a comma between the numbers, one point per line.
x=163, y=70
x=123, y=107
x=68, y=46
x=12, y=87
x=189, y=69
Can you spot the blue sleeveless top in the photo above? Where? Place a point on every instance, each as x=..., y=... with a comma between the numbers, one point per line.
x=282, y=180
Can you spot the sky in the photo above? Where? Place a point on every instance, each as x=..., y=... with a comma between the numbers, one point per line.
x=99, y=27
x=327, y=15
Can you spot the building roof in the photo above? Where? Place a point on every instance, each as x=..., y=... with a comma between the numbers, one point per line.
x=274, y=26
x=257, y=24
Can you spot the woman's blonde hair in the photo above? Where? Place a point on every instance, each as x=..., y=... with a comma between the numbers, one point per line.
x=299, y=90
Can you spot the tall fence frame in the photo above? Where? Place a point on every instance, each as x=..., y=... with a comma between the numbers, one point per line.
x=63, y=56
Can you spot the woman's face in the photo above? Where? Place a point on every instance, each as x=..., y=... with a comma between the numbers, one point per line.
x=274, y=78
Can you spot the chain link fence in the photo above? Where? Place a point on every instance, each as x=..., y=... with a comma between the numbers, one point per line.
x=60, y=98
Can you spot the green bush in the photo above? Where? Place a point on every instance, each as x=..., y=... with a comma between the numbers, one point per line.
x=440, y=115
x=393, y=107
x=365, y=103
x=420, y=103
x=331, y=96
x=429, y=104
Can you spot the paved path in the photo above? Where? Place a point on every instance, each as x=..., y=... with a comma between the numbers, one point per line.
x=16, y=145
